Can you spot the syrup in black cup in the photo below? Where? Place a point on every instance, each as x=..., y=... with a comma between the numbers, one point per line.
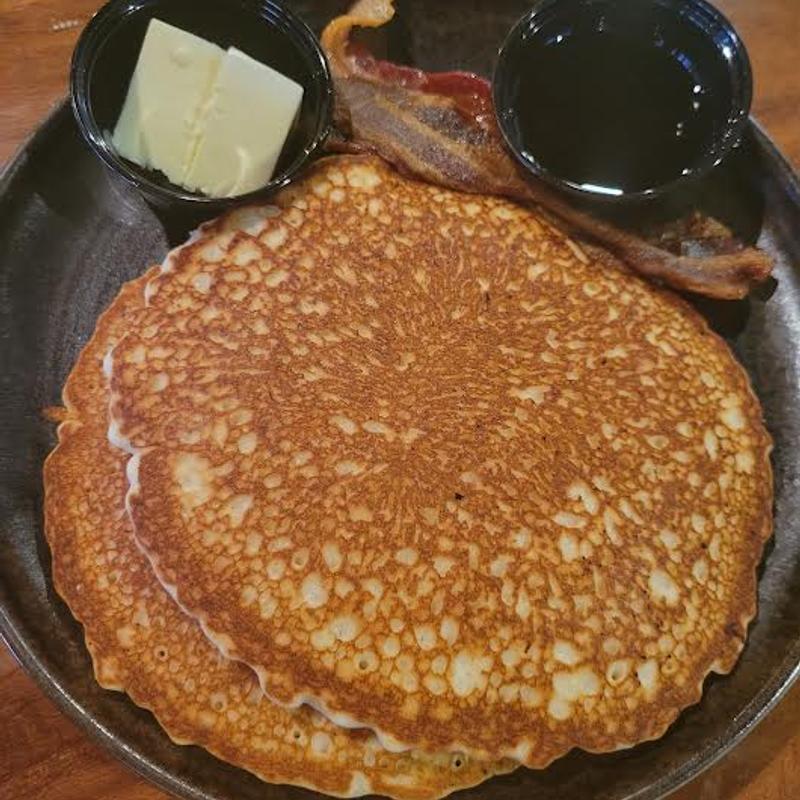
x=622, y=99
x=106, y=55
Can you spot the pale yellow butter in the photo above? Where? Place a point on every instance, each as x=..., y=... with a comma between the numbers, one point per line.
x=160, y=123
x=249, y=117
x=210, y=120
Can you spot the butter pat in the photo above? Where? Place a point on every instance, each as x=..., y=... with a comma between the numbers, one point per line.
x=251, y=111
x=161, y=120
x=210, y=120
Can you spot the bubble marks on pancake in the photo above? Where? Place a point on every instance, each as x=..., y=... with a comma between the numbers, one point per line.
x=141, y=643
x=420, y=458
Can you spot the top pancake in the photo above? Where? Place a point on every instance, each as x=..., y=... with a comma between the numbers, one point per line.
x=143, y=644
x=416, y=456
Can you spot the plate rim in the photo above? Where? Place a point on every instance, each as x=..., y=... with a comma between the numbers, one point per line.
x=12, y=626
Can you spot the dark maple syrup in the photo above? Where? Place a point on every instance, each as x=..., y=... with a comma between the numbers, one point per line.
x=618, y=99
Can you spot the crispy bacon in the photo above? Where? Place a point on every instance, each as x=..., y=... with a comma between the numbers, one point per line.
x=471, y=94
x=441, y=127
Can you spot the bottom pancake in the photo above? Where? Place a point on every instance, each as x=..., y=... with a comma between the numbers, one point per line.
x=142, y=644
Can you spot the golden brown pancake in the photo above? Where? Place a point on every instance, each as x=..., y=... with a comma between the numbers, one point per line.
x=142, y=644
x=416, y=456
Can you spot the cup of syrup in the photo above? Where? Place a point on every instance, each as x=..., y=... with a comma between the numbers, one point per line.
x=622, y=99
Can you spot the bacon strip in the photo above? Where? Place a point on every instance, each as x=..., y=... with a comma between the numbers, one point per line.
x=441, y=127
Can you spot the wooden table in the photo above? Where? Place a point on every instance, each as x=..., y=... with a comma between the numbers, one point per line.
x=42, y=754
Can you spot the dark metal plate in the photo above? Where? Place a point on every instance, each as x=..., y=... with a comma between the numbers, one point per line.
x=70, y=235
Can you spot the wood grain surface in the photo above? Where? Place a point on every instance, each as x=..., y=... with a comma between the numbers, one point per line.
x=42, y=754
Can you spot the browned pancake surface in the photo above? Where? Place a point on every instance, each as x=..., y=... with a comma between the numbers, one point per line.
x=142, y=644
x=417, y=456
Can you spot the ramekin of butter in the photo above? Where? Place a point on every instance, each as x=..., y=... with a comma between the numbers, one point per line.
x=201, y=104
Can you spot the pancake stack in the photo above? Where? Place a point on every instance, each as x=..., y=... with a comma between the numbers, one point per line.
x=387, y=488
